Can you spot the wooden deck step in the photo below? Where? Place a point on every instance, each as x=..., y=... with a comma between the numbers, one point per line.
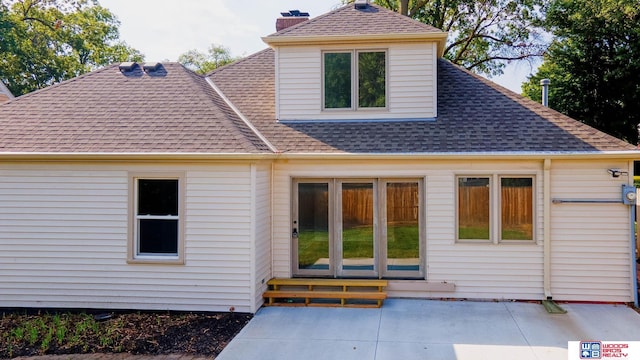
x=325, y=292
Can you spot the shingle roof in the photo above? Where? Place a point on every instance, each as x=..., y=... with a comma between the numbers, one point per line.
x=474, y=115
x=179, y=112
x=173, y=111
x=349, y=20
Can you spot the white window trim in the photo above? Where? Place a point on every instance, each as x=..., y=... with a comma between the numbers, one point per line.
x=495, y=201
x=355, y=88
x=133, y=255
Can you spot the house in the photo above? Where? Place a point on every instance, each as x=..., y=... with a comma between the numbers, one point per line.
x=347, y=148
x=5, y=94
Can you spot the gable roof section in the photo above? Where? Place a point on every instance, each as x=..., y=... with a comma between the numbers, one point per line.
x=349, y=20
x=474, y=116
x=350, y=24
x=173, y=111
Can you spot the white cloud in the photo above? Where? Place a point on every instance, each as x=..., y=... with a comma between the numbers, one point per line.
x=163, y=29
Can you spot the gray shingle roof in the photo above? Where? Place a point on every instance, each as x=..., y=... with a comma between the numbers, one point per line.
x=177, y=111
x=348, y=20
x=174, y=111
x=474, y=115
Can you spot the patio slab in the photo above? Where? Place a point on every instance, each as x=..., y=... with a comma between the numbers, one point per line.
x=429, y=329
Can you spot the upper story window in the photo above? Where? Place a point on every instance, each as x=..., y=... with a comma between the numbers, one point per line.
x=352, y=85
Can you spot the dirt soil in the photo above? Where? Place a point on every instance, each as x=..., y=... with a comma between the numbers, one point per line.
x=136, y=333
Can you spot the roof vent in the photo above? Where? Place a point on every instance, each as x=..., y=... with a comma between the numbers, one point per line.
x=154, y=69
x=361, y=4
x=127, y=66
x=151, y=66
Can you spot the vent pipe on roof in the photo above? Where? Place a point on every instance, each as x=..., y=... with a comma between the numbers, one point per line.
x=545, y=91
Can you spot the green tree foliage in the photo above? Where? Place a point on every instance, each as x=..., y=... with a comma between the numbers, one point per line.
x=371, y=79
x=43, y=42
x=203, y=63
x=594, y=64
x=483, y=34
x=337, y=80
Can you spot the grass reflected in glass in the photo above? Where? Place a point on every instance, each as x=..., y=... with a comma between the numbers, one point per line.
x=358, y=243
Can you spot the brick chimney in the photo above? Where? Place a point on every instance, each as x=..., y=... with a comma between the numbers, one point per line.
x=290, y=18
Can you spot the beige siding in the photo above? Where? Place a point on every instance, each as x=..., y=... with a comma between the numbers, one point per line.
x=488, y=271
x=262, y=215
x=411, y=83
x=299, y=83
x=591, y=243
x=63, y=240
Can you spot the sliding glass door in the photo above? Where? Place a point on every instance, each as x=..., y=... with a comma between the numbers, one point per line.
x=358, y=228
x=312, y=229
x=357, y=233
x=402, y=230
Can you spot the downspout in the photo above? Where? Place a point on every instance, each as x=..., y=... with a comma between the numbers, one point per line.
x=252, y=237
x=632, y=220
x=272, y=209
x=547, y=208
x=547, y=230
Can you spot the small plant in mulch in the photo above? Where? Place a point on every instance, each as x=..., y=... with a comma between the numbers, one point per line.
x=29, y=334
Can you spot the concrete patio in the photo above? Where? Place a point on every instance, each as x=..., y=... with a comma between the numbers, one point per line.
x=424, y=329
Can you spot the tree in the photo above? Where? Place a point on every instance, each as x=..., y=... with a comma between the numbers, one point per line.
x=47, y=41
x=483, y=34
x=202, y=63
x=594, y=64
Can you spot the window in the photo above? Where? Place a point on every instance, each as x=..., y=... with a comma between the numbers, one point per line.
x=485, y=203
x=156, y=223
x=355, y=85
x=516, y=200
x=473, y=208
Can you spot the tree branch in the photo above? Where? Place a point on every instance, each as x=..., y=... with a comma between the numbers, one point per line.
x=505, y=58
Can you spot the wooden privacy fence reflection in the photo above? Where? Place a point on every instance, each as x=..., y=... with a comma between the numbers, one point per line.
x=403, y=205
x=516, y=205
x=357, y=204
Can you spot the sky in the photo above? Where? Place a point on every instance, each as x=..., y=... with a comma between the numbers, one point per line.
x=164, y=29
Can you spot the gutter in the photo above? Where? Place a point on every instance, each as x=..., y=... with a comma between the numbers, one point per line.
x=286, y=40
x=140, y=157
x=159, y=156
x=627, y=154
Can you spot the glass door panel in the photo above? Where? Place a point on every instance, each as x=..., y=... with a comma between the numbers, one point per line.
x=312, y=230
x=402, y=229
x=357, y=229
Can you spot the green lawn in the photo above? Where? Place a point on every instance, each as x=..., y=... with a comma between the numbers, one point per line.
x=358, y=243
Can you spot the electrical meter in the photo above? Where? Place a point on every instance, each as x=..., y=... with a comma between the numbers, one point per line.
x=628, y=195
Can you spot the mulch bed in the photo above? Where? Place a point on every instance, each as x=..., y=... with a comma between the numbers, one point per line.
x=150, y=333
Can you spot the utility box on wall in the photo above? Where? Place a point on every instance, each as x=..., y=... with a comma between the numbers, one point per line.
x=628, y=194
